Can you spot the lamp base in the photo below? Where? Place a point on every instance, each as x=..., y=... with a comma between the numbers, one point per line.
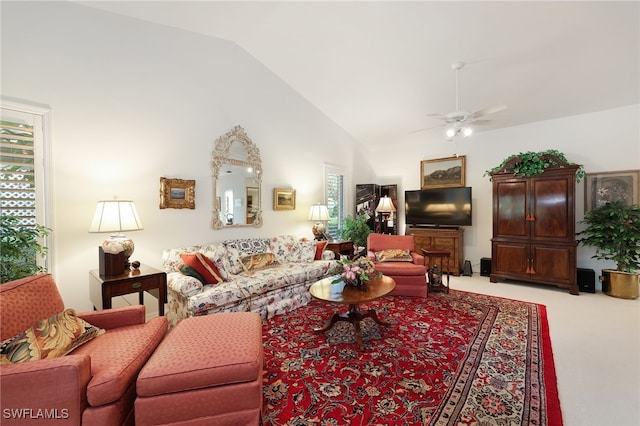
x=319, y=231
x=111, y=264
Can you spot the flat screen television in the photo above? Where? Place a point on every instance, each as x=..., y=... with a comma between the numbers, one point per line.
x=441, y=207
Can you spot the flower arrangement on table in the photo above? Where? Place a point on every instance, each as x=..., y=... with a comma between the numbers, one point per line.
x=355, y=272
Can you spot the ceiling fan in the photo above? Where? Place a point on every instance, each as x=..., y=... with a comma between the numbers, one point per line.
x=458, y=121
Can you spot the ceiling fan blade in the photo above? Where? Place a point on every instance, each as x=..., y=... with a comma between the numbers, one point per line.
x=482, y=122
x=438, y=116
x=486, y=111
x=426, y=128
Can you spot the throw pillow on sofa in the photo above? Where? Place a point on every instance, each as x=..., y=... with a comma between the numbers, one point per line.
x=217, y=252
x=53, y=337
x=320, y=246
x=204, y=266
x=303, y=251
x=190, y=272
x=281, y=247
x=249, y=246
x=393, y=255
x=259, y=261
x=233, y=261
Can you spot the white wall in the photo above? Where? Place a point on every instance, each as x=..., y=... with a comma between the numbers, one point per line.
x=601, y=141
x=132, y=102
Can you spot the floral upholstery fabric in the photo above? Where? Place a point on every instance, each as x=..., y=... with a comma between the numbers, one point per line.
x=278, y=288
x=183, y=284
x=233, y=261
x=267, y=305
x=282, y=246
x=303, y=251
x=258, y=283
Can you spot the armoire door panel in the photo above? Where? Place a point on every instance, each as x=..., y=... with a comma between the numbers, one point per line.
x=550, y=208
x=553, y=263
x=510, y=258
x=510, y=205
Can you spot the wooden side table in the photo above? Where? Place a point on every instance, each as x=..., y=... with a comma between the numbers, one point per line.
x=344, y=248
x=437, y=284
x=103, y=288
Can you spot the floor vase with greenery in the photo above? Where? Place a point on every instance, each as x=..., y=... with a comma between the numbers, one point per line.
x=614, y=230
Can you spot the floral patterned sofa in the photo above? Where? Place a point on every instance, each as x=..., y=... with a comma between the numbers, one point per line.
x=247, y=282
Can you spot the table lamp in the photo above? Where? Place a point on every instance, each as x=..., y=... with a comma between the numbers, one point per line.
x=319, y=213
x=386, y=209
x=115, y=216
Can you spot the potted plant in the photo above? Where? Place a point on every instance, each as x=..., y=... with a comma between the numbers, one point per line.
x=531, y=163
x=614, y=230
x=356, y=230
x=20, y=248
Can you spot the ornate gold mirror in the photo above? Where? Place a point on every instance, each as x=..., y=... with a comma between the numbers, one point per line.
x=237, y=181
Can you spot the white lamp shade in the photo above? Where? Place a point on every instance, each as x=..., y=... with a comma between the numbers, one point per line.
x=115, y=216
x=318, y=212
x=385, y=205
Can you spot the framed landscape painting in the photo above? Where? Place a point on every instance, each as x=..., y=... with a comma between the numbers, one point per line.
x=610, y=186
x=177, y=194
x=284, y=199
x=442, y=172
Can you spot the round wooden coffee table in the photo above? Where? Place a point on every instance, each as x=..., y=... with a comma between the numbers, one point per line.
x=352, y=296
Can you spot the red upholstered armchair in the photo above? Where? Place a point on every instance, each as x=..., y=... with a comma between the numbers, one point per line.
x=92, y=385
x=394, y=257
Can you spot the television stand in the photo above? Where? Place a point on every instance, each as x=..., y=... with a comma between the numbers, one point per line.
x=442, y=239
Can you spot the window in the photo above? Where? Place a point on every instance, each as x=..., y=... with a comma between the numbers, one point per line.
x=334, y=192
x=22, y=164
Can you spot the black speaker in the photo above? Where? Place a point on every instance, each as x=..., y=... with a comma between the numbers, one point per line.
x=485, y=266
x=467, y=271
x=587, y=280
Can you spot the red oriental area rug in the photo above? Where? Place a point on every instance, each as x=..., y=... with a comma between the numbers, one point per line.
x=450, y=359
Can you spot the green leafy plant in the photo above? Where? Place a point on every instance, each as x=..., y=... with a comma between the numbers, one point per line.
x=20, y=248
x=534, y=163
x=614, y=230
x=356, y=230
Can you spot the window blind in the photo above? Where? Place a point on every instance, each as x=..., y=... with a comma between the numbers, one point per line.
x=17, y=172
x=335, y=202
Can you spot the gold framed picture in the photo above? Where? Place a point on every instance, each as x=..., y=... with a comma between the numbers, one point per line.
x=177, y=193
x=602, y=187
x=442, y=172
x=284, y=199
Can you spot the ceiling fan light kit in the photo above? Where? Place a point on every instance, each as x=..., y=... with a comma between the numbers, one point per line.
x=458, y=128
x=459, y=121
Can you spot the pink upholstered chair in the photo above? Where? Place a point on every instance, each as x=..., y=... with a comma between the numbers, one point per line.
x=410, y=275
x=94, y=384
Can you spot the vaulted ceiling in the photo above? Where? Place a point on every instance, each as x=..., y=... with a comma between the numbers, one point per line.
x=378, y=68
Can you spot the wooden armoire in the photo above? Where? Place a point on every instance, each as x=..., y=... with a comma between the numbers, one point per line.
x=534, y=226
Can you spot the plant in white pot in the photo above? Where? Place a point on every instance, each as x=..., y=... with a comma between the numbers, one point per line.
x=614, y=230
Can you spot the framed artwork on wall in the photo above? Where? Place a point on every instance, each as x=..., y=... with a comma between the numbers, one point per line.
x=177, y=193
x=600, y=188
x=442, y=172
x=284, y=199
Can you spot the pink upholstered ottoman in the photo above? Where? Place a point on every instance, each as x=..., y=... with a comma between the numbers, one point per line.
x=208, y=370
